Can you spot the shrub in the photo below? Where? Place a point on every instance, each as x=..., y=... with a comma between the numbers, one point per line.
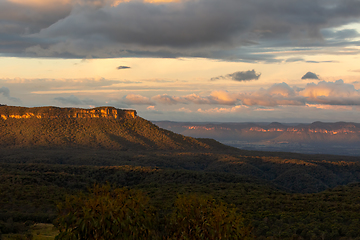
x=201, y=217
x=105, y=213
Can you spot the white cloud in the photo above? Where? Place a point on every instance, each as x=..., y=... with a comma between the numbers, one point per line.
x=280, y=94
x=223, y=110
x=136, y=99
x=331, y=93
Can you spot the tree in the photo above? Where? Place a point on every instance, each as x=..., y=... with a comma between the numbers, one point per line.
x=105, y=213
x=201, y=217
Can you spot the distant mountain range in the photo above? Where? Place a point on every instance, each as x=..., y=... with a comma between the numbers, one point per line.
x=342, y=138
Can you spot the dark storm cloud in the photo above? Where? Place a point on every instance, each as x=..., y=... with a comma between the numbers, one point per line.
x=225, y=29
x=6, y=93
x=341, y=34
x=24, y=19
x=310, y=75
x=122, y=67
x=245, y=76
x=240, y=76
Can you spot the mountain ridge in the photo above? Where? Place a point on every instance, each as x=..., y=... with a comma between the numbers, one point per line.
x=102, y=127
x=52, y=112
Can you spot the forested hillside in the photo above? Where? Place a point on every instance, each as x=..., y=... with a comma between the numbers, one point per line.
x=29, y=193
x=278, y=195
x=44, y=127
x=293, y=172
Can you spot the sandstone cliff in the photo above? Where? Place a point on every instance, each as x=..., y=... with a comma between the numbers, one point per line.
x=7, y=112
x=102, y=127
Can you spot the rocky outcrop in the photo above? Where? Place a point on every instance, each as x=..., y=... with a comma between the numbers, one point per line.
x=8, y=112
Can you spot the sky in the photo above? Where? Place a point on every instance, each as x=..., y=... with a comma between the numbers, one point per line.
x=185, y=60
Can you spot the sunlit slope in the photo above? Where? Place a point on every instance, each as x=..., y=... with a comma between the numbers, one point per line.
x=99, y=128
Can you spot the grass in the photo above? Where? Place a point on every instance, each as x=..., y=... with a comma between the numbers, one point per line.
x=39, y=231
x=42, y=231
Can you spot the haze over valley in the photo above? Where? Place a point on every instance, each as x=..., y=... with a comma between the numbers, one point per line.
x=339, y=138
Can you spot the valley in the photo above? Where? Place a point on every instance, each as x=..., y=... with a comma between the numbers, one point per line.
x=280, y=195
x=339, y=138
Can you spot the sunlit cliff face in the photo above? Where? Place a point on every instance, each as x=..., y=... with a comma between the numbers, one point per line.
x=51, y=113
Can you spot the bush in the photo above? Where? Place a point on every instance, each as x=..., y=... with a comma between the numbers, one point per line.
x=201, y=217
x=105, y=213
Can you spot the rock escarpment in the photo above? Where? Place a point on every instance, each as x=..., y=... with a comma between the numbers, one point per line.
x=7, y=112
x=102, y=127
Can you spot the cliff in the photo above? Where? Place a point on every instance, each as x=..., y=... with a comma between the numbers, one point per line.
x=102, y=127
x=7, y=112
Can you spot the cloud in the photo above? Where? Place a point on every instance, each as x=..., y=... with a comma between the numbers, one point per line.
x=183, y=109
x=72, y=100
x=310, y=75
x=340, y=34
x=331, y=93
x=223, y=110
x=216, y=97
x=237, y=30
x=6, y=93
x=63, y=85
x=279, y=94
x=240, y=76
x=330, y=107
x=122, y=67
x=318, y=94
x=336, y=93
x=135, y=99
x=223, y=97
x=290, y=60
x=276, y=95
x=166, y=99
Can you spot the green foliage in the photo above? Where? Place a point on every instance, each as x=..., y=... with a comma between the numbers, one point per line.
x=201, y=217
x=104, y=214
x=9, y=226
x=29, y=192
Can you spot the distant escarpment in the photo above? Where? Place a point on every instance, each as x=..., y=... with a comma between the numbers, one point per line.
x=102, y=127
x=276, y=132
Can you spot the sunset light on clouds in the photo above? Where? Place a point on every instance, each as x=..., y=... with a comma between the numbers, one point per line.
x=193, y=60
